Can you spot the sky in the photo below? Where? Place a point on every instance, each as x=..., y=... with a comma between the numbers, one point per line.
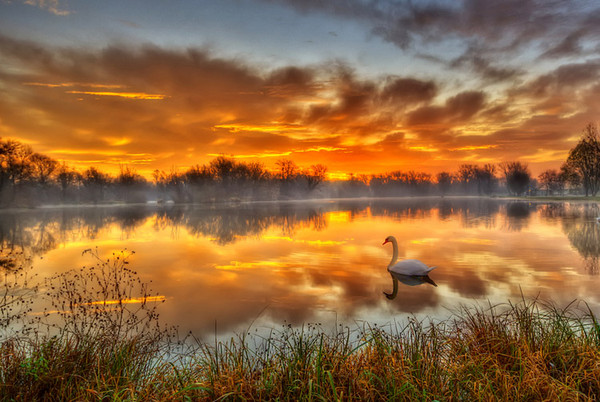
x=361, y=86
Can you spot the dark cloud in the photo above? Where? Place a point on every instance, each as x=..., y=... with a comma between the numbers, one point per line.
x=569, y=46
x=408, y=90
x=292, y=81
x=475, y=60
x=494, y=26
x=565, y=77
x=458, y=108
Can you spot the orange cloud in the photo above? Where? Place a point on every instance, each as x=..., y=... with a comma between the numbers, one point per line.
x=219, y=106
x=250, y=156
x=72, y=84
x=474, y=147
x=128, y=95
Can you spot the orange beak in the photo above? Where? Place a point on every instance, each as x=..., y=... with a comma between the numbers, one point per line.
x=386, y=241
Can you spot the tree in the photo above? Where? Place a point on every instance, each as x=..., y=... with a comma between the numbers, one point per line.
x=553, y=181
x=546, y=178
x=517, y=177
x=222, y=169
x=129, y=180
x=444, y=180
x=315, y=176
x=42, y=168
x=288, y=170
x=473, y=177
x=467, y=176
x=485, y=178
x=95, y=183
x=288, y=173
x=570, y=176
x=584, y=159
x=66, y=177
x=15, y=165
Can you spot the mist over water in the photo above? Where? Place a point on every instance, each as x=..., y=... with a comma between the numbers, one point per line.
x=269, y=264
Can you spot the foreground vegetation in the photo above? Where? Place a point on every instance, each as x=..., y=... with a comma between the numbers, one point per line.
x=527, y=351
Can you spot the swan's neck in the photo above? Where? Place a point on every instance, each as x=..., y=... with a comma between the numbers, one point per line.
x=395, y=253
x=392, y=296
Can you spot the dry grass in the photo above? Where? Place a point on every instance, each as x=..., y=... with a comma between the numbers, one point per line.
x=529, y=351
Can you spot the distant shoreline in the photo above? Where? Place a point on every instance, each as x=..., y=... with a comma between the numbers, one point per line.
x=234, y=203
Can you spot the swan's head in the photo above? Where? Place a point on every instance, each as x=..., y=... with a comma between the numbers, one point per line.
x=388, y=240
x=390, y=296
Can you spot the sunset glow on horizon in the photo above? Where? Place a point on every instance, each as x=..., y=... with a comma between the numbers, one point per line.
x=361, y=87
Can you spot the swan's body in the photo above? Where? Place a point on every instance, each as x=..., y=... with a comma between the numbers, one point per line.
x=410, y=268
x=405, y=267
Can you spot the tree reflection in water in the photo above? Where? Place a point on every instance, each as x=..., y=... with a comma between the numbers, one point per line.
x=581, y=228
x=518, y=215
x=39, y=231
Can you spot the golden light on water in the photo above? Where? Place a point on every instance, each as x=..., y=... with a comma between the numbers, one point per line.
x=135, y=300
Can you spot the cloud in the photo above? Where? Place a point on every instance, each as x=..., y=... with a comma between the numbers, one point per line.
x=408, y=90
x=475, y=60
x=494, y=27
x=53, y=6
x=127, y=95
x=567, y=76
x=162, y=108
x=569, y=46
x=458, y=108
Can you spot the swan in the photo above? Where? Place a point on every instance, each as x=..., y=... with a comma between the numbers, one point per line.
x=405, y=267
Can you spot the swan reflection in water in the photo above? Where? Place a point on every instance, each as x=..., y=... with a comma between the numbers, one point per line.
x=407, y=280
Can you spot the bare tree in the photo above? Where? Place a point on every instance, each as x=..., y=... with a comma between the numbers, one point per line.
x=95, y=183
x=315, y=176
x=66, y=178
x=444, y=180
x=288, y=170
x=486, y=179
x=42, y=168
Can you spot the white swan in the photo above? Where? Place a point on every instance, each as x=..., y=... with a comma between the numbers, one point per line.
x=405, y=267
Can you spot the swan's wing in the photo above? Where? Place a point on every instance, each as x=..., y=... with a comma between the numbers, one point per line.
x=410, y=268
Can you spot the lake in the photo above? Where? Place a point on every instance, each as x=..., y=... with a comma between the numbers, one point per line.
x=227, y=269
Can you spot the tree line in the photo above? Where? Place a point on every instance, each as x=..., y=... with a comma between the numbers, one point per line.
x=28, y=178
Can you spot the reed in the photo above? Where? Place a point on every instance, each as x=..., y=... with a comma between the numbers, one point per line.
x=531, y=350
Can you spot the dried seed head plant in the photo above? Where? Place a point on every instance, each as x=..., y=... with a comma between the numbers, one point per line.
x=17, y=291
x=105, y=300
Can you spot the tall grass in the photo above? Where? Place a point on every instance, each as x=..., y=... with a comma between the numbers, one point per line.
x=526, y=351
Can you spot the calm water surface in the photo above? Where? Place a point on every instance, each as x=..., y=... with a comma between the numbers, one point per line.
x=266, y=265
